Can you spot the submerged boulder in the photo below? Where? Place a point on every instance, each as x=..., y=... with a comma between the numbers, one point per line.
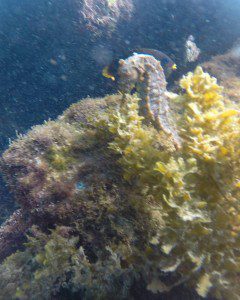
x=226, y=68
x=114, y=210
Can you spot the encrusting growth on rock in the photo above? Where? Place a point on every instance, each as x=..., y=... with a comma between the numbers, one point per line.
x=113, y=209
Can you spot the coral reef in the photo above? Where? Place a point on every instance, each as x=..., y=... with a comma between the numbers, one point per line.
x=110, y=203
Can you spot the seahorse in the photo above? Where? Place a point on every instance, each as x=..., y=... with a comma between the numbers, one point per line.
x=145, y=74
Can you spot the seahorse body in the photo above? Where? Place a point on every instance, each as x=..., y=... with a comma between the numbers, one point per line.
x=145, y=74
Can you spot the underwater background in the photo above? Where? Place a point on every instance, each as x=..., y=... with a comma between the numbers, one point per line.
x=52, y=53
x=49, y=59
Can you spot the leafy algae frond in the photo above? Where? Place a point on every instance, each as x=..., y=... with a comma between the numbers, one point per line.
x=209, y=126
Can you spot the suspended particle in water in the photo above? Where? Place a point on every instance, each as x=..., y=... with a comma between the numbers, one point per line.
x=101, y=54
x=53, y=62
x=63, y=77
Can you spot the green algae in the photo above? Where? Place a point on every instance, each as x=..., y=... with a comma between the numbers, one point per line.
x=59, y=157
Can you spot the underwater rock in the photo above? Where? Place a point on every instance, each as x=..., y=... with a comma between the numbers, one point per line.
x=226, y=68
x=46, y=165
x=103, y=15
x=112, y=209
x=12, y=233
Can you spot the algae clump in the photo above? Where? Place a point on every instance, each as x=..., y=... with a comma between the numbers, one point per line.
x=196, y=188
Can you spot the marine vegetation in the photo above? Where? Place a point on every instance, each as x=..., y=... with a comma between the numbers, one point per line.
x=120, y=206
x=101, y=16
x=195, y=189
x=225, y=68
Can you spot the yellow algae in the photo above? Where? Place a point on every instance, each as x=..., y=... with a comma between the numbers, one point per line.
x=194, y=186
